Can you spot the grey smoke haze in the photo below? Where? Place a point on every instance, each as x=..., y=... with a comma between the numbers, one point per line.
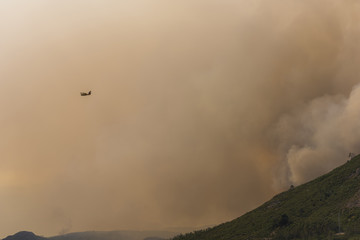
x=201, y=110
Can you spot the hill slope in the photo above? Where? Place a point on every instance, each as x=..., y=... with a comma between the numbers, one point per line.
x=311, y=210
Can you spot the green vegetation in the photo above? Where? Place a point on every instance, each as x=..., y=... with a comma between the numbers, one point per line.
x=310, y=211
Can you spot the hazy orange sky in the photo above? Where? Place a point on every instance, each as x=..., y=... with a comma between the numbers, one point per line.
x=201, y=110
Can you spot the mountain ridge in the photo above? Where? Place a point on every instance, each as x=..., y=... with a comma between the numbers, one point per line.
x=97, y=235
x=321, y=208
x=24, y=235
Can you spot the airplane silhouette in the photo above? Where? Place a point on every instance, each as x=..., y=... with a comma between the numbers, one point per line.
x=85, y=94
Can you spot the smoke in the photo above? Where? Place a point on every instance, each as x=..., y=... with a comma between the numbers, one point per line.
x=201, y=110
x=316, y=138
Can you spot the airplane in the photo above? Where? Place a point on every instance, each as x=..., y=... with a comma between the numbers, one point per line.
x=85, y=94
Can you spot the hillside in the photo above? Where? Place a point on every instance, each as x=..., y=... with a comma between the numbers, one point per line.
x=309, y=211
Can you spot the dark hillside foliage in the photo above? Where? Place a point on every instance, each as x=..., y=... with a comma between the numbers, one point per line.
x=319, y=209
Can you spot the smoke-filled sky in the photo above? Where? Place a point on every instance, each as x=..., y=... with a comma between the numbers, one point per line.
x=201, y=110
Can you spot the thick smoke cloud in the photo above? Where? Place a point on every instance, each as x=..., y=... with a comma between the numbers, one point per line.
x=318, y=136
x=201, y=110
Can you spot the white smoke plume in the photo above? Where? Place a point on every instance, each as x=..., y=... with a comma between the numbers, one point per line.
x=319, y=136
